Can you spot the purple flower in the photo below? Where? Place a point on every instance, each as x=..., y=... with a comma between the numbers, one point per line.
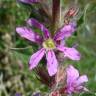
x=29, y=1
x=75, y=83
x=18, y=94
x=48, y=45
x=66, y=31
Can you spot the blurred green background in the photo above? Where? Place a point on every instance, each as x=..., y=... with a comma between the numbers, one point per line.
x=14, y=74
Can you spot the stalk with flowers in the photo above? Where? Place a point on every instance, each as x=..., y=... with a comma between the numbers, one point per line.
x=62, y=79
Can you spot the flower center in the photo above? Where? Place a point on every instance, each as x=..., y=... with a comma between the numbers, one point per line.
x=49, y=44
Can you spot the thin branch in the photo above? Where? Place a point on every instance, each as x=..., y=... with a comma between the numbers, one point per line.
x=21, y=48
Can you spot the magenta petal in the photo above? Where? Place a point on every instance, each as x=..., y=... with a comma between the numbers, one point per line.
x=29, y=1
x=34, y=22
x=27, y=33
x=71, y=53
x=72, y=74
x=82, y=79
x=35, y=58
x=65, y=32
x=52, y=63
x=61, y=48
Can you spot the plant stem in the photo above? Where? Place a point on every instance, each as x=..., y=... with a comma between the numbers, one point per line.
x=55, y=15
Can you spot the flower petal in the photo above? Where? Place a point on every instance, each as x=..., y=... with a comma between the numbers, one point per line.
x=71, y=53
x=35, y=58
x=34, y=22
x=27, y=33
x=52, y=63
x=82, y=79
x=29, y=1
x=65, y=32
x=72, y=74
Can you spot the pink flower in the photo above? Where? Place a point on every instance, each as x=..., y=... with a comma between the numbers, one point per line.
x=75, y=83
x=66, y=31
x=48, y=45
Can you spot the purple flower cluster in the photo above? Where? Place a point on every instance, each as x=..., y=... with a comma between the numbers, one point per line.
x=48, y=47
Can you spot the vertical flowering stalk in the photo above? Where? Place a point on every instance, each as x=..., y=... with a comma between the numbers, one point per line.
x=55, y=15
x=64, y=82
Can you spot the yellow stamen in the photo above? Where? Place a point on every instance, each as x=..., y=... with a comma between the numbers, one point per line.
x=49, y=44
